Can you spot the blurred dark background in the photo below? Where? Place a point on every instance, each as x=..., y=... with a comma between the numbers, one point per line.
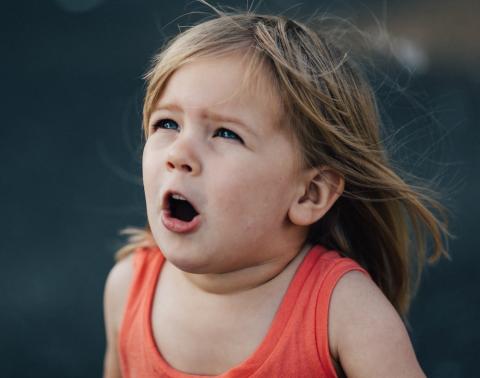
x=70, y=148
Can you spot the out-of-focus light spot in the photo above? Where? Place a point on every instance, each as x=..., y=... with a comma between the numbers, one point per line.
x=407, y=52
x=78, y=6
x=410, y=55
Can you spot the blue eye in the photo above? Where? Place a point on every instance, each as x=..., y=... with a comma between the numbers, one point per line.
x=170, y=124
x=165, y=124
x=227, y=134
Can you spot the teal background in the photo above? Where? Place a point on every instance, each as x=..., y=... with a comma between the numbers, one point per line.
x=70, y=150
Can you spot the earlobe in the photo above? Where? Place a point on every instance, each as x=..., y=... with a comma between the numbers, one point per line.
x=319, y=191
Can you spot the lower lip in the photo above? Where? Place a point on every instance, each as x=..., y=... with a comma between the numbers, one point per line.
x=177, y=225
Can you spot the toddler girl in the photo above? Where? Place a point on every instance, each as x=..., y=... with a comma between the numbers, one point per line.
x=278, y=234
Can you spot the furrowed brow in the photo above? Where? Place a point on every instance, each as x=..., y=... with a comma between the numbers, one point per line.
x=171, y=107
x=175, y=108
x=223, y=118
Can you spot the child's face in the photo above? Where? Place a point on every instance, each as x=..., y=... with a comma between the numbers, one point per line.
x=241, y=179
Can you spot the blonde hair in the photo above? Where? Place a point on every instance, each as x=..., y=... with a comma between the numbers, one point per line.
x=333, y=115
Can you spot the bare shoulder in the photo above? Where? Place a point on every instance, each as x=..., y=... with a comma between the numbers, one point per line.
x=117, y=287
x=367, y=336
x=115, y=296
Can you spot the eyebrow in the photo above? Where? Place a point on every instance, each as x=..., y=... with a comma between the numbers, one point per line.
x=206, y=114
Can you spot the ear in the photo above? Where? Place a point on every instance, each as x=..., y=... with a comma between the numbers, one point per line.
x=317, y=193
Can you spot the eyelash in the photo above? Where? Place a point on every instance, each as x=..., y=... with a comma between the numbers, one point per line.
x=161, y=123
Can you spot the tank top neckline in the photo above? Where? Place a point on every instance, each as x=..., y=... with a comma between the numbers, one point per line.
x=268, y=343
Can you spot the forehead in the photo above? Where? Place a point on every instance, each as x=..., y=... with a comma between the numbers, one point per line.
x=227, y=83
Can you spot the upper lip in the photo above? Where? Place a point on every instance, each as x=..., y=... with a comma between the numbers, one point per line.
x=166, y=198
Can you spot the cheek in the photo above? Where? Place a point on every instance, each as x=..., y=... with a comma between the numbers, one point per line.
x=150, y=174
x=255, y=196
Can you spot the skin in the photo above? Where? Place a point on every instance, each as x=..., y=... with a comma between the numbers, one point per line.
x=256, y=204
x=241, y=189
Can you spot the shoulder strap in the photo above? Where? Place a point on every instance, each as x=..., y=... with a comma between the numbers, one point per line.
x=131, y=340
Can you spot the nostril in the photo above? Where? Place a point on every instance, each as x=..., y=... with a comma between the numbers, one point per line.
x=185, y=167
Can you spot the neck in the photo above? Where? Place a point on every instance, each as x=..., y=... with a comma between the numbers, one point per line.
x=248, y=278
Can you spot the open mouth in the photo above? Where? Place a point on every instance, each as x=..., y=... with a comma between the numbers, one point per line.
x=180, y=208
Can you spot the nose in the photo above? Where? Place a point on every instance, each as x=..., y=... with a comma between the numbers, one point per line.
x=183, y=157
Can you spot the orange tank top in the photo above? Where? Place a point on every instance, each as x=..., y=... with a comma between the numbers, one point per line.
x=296, y=344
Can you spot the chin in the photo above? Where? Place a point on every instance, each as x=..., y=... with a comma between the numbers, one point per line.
x=189, y=262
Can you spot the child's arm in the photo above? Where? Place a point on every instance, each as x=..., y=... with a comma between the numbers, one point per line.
x=366, y=334
x=116, y=290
